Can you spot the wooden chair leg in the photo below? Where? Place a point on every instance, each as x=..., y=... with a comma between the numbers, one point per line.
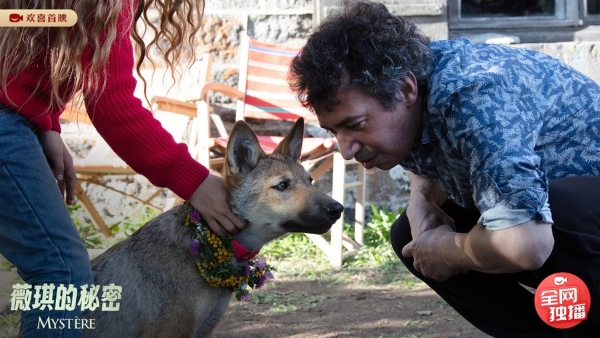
x=321, y=168
x=337, y=193
x=91, y=209
x=97, y=219
x=203, y=133
x=341, y=246
x=359, y=209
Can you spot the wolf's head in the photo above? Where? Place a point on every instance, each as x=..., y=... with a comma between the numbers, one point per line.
x=274, y=192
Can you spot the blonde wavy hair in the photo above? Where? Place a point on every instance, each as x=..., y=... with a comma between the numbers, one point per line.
x=172, y=36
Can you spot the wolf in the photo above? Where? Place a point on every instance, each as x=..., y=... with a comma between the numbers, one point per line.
x=163, y=293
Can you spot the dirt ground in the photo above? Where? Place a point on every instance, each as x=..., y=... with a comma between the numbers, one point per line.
x=348, y=303
x=311, y=308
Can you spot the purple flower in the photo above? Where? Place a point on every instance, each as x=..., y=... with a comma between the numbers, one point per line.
x=195, y=216
x=261, y=263
x=268, y=275
x=246, y=297
x=261, y=281
x=246, y=267
x=194, y=247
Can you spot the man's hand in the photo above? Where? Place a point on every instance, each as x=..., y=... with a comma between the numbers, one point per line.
x=441, y=252
x=60, y=162
x=423, y=210
x=427, y=251
x=428, y=226
x=210, y=199
x=426, y=216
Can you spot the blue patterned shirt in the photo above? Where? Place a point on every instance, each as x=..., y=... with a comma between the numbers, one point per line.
x=499, y=123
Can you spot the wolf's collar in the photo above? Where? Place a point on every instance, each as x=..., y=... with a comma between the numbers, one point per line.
x=241, y=253
x=216, y=265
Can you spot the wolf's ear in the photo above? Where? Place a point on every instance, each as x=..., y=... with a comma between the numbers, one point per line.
x=291, y=145
x=243, y=150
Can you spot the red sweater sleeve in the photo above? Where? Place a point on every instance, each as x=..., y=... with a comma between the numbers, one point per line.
x=55, y=123
x=131, y=130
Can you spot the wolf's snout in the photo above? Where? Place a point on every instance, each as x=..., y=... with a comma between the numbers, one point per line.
x=334, y=210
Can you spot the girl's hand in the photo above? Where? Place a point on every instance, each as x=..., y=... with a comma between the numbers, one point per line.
x=61, y=163
x=210, y=199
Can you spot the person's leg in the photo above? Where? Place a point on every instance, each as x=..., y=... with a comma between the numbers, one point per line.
x=37, y=234
x=494, y=303
x=575, y=206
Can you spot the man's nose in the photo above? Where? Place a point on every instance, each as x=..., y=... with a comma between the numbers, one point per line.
x=348, y=147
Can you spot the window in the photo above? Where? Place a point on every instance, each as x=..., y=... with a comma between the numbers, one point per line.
x=590, y=11
x=593, y=7
x=475, y=14
x=508, y=8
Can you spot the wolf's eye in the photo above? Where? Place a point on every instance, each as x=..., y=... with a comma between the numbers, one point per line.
x=282, y=186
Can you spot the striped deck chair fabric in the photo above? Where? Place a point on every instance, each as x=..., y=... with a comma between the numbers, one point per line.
x=268, y=96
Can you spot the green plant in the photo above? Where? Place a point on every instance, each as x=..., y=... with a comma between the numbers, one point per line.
x=93, y=239
x=9, y=324
x=296, y=256
x=131, y=225
x=6, y=265
x=377, y=249
x=294, y=244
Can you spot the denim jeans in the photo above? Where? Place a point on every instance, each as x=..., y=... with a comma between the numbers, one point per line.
x=37, y=234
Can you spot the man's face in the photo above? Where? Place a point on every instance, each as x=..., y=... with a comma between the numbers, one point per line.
x=368, y=132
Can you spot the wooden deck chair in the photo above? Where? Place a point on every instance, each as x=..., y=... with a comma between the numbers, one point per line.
x=263, y=93
x=101, y=161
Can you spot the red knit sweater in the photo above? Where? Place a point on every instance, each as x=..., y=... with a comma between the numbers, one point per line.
x=128, y=127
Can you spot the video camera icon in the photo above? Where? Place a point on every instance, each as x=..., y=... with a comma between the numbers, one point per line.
x=560, y=280
x=15, y=17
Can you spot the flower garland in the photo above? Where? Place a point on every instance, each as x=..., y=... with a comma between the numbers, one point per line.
x=218, y=267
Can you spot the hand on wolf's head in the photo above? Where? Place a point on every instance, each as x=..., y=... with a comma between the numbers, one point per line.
x=211, y=200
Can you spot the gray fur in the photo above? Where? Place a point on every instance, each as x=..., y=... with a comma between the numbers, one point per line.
x=163, y=293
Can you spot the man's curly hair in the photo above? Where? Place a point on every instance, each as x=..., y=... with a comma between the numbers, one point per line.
x=362, y=46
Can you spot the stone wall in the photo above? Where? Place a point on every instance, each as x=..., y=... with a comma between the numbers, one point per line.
x=289, y=22
x=583, y=56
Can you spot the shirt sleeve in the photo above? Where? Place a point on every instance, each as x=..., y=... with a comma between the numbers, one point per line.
x=130, y=129
x=496, y=132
